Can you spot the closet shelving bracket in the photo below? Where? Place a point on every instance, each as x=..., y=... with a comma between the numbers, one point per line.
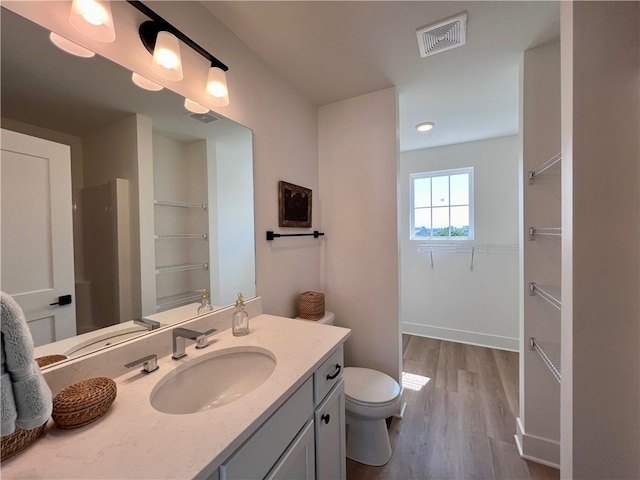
x=544, y=167
x=544, y=231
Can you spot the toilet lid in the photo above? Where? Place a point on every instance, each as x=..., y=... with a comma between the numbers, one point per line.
x=369, y=386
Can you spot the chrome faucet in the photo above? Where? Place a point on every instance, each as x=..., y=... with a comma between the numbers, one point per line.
x=147, y=323
x=149, y=363
x=179, y=334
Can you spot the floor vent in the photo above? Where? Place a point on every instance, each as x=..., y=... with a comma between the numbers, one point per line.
x=442, y=36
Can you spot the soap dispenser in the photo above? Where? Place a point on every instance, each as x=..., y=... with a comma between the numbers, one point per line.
x=205, y=304
x=240, y=325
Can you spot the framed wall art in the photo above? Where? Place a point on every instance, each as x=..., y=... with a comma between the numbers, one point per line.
x=294, y=205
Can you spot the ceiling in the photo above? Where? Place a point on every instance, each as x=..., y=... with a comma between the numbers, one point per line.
x=334, y=50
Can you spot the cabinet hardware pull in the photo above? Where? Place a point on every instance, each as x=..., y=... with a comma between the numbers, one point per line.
x=326, y=417
x=63, y=300
x=338, y=370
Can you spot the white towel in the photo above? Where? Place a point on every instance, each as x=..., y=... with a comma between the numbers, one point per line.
x=26, y=397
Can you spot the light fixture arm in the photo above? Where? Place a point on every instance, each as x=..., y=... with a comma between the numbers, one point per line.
x=149, y=31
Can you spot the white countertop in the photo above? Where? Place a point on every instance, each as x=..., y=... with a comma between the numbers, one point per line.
x=135, y=441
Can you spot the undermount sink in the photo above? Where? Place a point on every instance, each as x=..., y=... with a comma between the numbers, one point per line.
x=212, y=380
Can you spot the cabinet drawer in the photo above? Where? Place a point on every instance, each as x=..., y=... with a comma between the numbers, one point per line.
x=261, y=452
x=327, y=375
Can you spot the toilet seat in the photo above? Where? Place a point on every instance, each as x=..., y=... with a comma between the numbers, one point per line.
x=370, y=388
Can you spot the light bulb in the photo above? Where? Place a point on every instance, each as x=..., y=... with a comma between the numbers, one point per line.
x=217, y=90
x=145, y=83
x=166, y=56
x=93, y=19
x=69, y=46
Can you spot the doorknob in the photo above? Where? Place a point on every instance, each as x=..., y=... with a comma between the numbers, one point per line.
x=63, y=300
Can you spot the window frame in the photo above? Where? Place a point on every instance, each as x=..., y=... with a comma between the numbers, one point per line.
x=442, y=173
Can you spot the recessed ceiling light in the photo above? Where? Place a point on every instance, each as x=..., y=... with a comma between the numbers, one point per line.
x=425, y=127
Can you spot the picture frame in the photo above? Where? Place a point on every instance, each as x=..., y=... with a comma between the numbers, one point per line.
x=294, y=204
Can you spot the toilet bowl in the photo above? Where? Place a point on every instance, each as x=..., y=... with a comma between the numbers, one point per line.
x=370, y=397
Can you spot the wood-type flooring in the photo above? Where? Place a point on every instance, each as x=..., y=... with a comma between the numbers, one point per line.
x=461, y=424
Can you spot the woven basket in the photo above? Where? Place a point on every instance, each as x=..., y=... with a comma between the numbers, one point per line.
x=83, y=402
x=311, y=305
x=19, y=440
x=49, y=359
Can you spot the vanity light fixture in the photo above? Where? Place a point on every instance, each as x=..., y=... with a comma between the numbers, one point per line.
x=425, y=126
x=217, y=90
x=156, y=30
x=145, y=83
x=194, y=107
x=167, y=61
x=93, y=18
x=69, y=46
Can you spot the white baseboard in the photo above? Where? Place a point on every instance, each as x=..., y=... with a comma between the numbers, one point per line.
x=537, y=449
x=462, y=336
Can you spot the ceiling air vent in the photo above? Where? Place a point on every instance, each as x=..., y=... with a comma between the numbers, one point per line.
x=441, y=36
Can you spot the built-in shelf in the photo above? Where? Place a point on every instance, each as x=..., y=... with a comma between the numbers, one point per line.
x=161, y=236
x=550, y=294
x=172, y=301
x=550, y=355
x=181, y=267
x=533, y=174
x=545, y=232
x=171, y=203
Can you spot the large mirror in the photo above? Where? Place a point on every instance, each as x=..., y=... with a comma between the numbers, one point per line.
x=161, y=200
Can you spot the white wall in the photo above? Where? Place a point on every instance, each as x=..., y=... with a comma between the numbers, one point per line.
x=449, y=301
x=600, y=392
x=358, y=201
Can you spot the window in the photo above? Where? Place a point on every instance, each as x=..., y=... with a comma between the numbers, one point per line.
x=442, y=205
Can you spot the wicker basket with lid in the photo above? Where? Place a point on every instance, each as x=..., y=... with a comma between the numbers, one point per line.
x=311, y=305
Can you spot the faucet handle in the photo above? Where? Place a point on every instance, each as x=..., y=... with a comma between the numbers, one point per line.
x=203, y=340
x=149, y=363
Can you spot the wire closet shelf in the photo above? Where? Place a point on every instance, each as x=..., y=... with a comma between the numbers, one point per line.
x=533, y=174
x=550, y=355
x=469, y=248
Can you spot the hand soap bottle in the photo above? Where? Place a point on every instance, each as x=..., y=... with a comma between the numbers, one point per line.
x=240, y=324
x=205, y=304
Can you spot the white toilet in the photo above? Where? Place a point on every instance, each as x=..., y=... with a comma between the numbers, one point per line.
x=370, y=397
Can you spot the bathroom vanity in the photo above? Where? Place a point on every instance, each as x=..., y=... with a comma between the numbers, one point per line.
x=290, y=426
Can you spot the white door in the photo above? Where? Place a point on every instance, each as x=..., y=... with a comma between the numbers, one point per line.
x=36, y=235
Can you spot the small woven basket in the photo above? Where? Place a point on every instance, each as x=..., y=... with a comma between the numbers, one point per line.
x=83, y=402
x=311, y=305
x=19, y=440
x=49, y=359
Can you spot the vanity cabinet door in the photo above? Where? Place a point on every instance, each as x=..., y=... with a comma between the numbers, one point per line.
x=330, y=436
x=298, y=462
